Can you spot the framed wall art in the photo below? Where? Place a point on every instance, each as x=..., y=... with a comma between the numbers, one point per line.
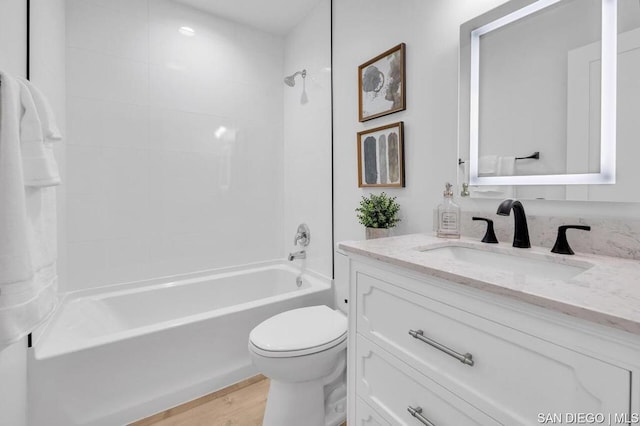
x=381, y=156
x=381, y=84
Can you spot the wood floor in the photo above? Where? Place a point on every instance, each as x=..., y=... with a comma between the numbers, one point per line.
x=241, y=404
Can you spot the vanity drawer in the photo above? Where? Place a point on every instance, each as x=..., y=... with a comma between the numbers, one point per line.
x=514, y=376
x=392, y=387
x=366, y=416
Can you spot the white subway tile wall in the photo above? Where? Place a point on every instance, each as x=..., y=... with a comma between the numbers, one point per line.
x=307, y=137
x=175, y=142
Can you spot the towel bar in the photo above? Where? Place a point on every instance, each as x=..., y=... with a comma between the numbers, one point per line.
x=534, y=156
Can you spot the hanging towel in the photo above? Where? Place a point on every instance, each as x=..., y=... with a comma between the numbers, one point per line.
x=15, y=262
x=39, y=165
x=493, y=165
x=50, y=129
x=28, y=277
x=506, y=166
x=487, y=165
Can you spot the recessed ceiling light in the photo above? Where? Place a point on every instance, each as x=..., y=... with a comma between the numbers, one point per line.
x=220, y=131
x=187, y=31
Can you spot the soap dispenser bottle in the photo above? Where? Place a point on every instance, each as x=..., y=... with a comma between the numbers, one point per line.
x=448, y=216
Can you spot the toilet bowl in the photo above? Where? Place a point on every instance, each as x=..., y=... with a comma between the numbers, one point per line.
x=303, y=353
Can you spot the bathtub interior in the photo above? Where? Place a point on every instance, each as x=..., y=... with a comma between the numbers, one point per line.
x=125, y=369
x=91, y=318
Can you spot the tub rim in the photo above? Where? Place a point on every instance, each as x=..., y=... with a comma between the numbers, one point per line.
x=318, y=282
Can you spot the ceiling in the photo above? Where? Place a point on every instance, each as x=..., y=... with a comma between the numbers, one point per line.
x=274, y=16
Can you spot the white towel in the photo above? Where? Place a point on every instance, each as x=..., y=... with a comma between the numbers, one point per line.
x=39, y=165
x=15, y=262
x=487, y=165
x=506, y=166
x=493, y=165
x=28, y=277
x=50, y=128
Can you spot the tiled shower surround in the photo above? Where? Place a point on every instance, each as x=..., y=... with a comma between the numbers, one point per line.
x=175, y=141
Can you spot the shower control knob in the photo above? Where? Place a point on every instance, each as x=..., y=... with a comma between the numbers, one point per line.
x=303, y=235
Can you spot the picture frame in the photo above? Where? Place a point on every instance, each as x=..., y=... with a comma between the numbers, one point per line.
x=382, y=84
x=381, y=156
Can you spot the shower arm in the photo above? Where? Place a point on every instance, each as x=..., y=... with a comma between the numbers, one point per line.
x=290, y=80
x=303, y=73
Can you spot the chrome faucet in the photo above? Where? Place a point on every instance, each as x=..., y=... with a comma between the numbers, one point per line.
x=521, y=232
x=297, y=255
x=303, y=236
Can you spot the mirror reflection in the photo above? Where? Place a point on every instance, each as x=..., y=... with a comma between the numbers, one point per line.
x=539, y=102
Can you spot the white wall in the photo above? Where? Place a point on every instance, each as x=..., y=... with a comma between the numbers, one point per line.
x=307, y=137
x=364, y=28
x=13, y=42
x=13, y=360
x=152, y=190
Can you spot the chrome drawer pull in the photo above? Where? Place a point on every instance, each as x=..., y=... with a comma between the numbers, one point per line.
x=463, y=358
x=417, y=413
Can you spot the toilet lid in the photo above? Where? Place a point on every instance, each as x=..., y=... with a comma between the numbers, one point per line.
x=300, y=329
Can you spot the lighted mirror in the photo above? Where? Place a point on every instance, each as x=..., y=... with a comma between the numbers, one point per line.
x=547, y=92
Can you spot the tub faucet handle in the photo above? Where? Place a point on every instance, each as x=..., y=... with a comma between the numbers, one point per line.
x=303, y=235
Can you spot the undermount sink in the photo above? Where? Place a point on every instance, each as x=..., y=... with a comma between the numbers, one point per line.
x=534, y=265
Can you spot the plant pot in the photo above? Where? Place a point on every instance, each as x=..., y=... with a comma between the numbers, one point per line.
x=373, y=233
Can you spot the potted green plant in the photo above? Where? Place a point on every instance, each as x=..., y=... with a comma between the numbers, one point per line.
x=378, y=213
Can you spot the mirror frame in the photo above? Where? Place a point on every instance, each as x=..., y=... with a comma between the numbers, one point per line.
x=470, y=33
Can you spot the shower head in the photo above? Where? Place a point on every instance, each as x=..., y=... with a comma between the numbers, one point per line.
x=291, y=79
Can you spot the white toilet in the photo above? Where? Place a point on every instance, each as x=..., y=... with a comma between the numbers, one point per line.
x=303, y=352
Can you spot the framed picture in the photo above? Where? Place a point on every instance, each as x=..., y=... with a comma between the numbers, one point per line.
x=381, y=84
x=381, y=156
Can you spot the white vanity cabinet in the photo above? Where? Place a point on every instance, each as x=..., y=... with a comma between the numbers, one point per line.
x=464, y=356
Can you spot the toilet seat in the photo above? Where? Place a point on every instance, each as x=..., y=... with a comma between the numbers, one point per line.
x=299, y=332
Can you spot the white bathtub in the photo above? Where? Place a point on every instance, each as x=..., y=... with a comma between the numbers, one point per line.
x=114, y=355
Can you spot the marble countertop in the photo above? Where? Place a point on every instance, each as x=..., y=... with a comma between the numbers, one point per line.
x=607, y=292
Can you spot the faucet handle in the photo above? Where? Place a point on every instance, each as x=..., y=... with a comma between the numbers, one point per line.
x=562, y=245
x=303, y=235
x=300, y=237
x=489, y=235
